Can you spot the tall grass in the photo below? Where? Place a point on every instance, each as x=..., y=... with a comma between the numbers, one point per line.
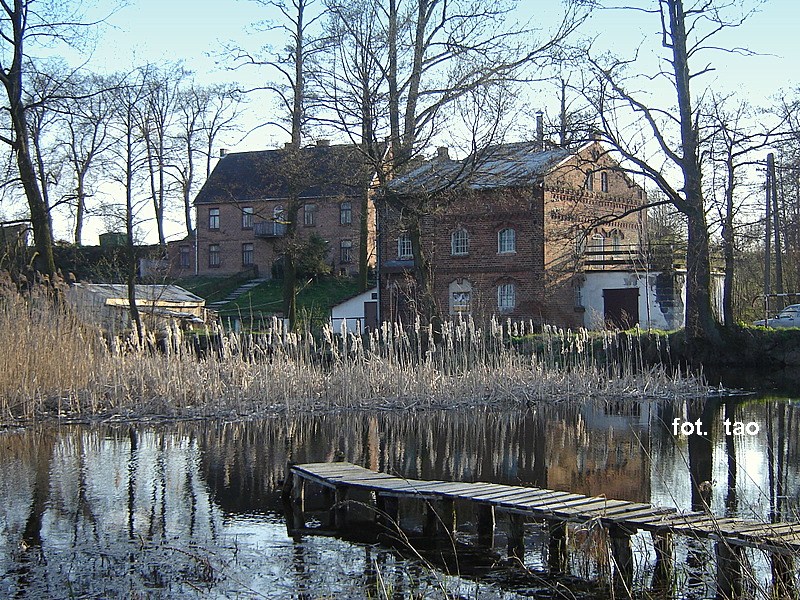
x=55, y=363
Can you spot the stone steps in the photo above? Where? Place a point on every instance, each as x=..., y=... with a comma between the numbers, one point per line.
x=240, y=291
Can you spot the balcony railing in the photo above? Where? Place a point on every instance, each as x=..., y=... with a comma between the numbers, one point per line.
x=655, y=257
x=269, y=229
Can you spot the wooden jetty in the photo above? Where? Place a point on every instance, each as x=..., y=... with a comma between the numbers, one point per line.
x=338, y=483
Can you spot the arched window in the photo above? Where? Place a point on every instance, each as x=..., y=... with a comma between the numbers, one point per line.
x=459, y=242
x=506, y=297
x=616, y=240
x=603, y=181
x=506, y=241
x=588, y=184
x=404, y=249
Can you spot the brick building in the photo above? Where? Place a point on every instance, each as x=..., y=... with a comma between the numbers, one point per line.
x=507, y=231
x=241, y=210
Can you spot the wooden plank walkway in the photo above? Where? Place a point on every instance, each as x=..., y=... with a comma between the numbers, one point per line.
x=621, y=518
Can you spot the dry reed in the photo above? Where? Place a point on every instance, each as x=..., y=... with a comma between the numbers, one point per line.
x=56, y=364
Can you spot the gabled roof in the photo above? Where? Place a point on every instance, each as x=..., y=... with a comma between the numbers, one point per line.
x=503, y=165
x=324, y=171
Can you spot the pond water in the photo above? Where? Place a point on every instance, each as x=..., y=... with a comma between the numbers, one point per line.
x=193, y=509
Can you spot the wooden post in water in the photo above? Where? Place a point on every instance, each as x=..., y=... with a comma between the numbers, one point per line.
x=665, y=567
x=440, y=518
x=622, y=553
x=449, y=520
x=485, y=525
x=729, y=571
x=340, y=507
x=516, y=536
x=557, y=546
x=298, y=502
x=783, y=584
x=388, y=511
x=329, y=500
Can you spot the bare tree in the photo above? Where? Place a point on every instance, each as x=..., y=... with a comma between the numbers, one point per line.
x=26, y=23
x=86, y=139
x=203, y=113
x=734, y=142
x=131, y=167
x=161, y=108
x=687, y=33
x=298, y=22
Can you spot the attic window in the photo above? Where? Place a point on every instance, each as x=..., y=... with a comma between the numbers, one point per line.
x=213, y=218
x=603, y=181
x=588, y=184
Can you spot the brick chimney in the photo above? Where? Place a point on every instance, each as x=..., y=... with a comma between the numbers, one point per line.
x=223, y=152
x=323, y=142
x=443, y=153
x=539, y=131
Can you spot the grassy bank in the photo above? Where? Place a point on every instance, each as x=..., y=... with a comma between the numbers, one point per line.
x=56, y=365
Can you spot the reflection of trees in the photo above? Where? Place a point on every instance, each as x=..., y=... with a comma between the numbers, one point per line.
x=701, y=452
x=782, y=451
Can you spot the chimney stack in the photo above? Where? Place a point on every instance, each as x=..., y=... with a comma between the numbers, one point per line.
x=539, y=131
x=223, y=152
x=443, y=153
x=323, y=142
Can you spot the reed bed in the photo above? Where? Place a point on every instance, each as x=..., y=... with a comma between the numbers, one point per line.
x=55, y=364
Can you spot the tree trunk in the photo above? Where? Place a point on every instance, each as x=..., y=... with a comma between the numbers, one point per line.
x=700, y=322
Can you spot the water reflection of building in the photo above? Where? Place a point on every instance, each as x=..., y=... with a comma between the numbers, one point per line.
x=602, y=449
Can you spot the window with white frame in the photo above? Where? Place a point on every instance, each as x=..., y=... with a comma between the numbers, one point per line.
x=506, y=241
x=309, y=215
x=346, y=213
x=247, y=254
x=214, y=257
x=459, y=242
x=247, y=217
x=597, y=246
x=213, y=218
x=404, y=248
x=346, y=251
x=506, y=297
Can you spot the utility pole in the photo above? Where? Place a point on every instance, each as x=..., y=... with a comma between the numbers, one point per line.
x=768, y=235
x=776, y=224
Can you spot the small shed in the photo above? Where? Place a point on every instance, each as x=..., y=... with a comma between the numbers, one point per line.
x=107, y=305
x=357, y=314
